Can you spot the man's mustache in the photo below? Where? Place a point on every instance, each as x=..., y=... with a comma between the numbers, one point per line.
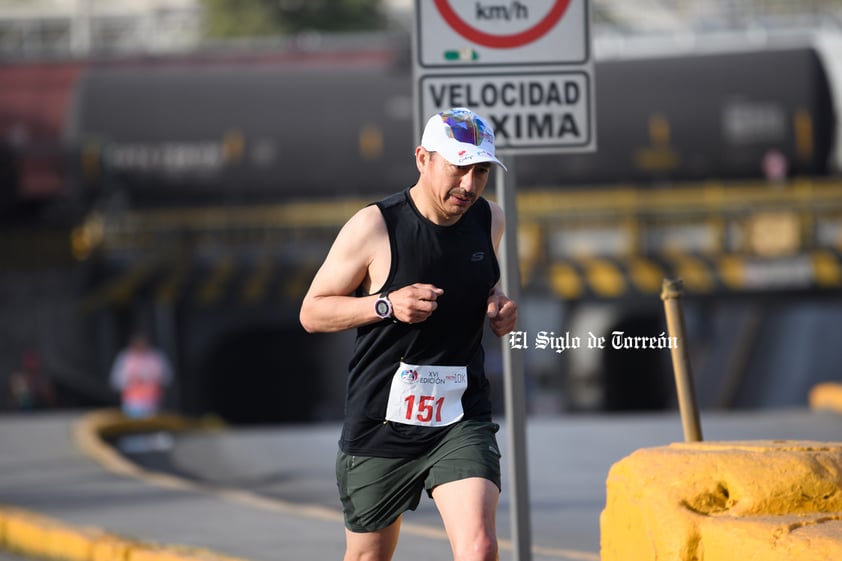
x=461, y=193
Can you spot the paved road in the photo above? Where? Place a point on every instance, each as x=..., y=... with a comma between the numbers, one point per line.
x=268, y=494
x=569, y=459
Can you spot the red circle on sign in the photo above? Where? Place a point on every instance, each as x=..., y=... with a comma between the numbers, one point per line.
x=502, y=41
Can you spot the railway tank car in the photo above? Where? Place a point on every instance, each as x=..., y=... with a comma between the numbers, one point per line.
x=211, y=129
x=34, y=99
x=216, y=132
x=192, y=133
x=701, y=117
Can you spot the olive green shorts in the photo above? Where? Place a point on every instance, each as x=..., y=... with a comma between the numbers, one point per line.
x=376, y=491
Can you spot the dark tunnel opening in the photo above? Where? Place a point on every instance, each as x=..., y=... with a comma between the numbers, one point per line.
x=263, y=375
x=637, y=379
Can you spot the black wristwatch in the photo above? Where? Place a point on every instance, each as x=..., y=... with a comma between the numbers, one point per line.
x=383, y=307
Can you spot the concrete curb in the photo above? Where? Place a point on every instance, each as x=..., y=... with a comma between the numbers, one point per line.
x=769, y=500
x=34, y=535
x=92, y=431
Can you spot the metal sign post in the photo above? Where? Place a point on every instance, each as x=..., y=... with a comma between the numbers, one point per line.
x=513, y=375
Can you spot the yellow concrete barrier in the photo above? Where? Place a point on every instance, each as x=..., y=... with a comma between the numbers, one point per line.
x=36, y=535
x=826, y=396
x=725, y=501
x=109, y=547
x=42, y=537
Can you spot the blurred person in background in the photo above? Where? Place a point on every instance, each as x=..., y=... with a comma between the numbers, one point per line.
x=140, y=373
x=29, y=388
x=417, y=275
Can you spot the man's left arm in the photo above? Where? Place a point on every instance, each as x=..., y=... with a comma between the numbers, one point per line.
x=501, y=310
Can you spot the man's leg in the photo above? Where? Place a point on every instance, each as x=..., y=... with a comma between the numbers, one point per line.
x=468, y=508
x=372, y=546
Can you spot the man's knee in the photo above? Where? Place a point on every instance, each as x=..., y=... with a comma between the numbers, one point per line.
x=481, y=548
x=372, y=546
x=374, y=553
x=366, y=556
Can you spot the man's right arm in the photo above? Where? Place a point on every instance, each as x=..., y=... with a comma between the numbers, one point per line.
x=330, y=304
x=361, y=257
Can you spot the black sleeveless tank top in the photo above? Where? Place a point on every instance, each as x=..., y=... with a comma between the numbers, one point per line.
x=460, y=260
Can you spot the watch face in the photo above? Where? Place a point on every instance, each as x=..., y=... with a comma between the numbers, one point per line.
x=382, y=308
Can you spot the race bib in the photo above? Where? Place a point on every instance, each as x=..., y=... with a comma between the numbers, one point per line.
x=427, y=396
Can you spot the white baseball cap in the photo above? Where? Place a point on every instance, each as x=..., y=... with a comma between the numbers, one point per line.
x=461, y=136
